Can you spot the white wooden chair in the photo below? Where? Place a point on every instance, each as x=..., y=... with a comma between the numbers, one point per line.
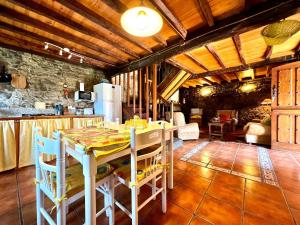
x=143, y=169
x=62, y=185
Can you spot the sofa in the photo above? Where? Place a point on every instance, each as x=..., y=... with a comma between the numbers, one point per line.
x=185, y=131
x=258, y=132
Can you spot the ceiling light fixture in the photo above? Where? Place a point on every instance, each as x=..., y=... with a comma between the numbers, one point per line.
x=141, y=21
x=70, y=53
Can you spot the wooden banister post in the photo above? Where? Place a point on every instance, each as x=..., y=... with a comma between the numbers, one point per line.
x=128, y=89
x=147, y=92
x=140, y=93
x=154, y=91
x=133, y=89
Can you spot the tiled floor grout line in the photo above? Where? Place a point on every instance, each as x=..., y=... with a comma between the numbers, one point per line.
x=239, y=145
x=20, y=208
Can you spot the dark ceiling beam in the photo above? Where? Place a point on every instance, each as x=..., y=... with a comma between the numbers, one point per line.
x=120, y=8
x=13, y=15
x=195, y=60
x=283, y=59
x=237, y=43
x=89, y=14
x=170, y=18
x=268, y=52
x=116, y=5
x=205, y=10
x=212, y=51
x=14, y=43
x=44, y=11
x=38, y=37
x=261, y=15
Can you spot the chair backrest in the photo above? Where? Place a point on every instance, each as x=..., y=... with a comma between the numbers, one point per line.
x=196, y=111
x=51, y=178
x=151, y=160
x=231, y=113
x=179, y=119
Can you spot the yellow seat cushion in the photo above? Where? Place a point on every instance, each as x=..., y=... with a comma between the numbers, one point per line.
x=75, y=178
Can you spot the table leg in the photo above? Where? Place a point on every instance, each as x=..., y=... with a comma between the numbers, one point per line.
x=89, y=172
x=171, y=160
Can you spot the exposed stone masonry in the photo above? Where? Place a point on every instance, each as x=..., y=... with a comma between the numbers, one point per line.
x=45, y=78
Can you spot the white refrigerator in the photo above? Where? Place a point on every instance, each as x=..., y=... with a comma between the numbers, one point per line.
x=108, y=101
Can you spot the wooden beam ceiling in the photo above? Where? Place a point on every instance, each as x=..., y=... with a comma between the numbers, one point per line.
x=170, y=18
x=283, y=59
x=256, y=17
x=205, y=10
x=81, y=9
x=237, y=43
x=38, y=37
x=42, y=10
x=212, y=51
x=268, y=52
x=18, y=44
x=13, y=15
x=195, y=60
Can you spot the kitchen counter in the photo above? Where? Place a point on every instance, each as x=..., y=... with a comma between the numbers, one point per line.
x=33, y=117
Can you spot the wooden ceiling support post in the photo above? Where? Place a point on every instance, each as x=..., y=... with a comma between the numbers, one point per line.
x=237, y=43
x=268, y=52
x=133, y=89
x=124, y=87
x=147, y=92
x=128, y=89
x=205, y=10
x=140, y=93
x=154, y=91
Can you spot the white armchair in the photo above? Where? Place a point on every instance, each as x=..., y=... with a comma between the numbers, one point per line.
x=185, y=131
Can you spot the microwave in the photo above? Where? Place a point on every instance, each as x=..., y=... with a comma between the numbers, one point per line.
x=84, y=96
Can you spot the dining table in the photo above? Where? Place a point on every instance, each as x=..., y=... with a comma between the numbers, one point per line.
x=93, y=146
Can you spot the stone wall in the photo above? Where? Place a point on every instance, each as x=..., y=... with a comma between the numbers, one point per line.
x=46, y=78
x=228, y=96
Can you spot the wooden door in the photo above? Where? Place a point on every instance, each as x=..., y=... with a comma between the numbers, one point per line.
x=286, y=107
x=286, y=86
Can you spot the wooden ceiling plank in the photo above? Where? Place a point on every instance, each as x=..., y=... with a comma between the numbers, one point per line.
x=195, y=60
x=212, y=51
x=266, y=13
x=19, y=45
x=42, y=10
x=38, y=37
x=205, y=10
x=268, y=52
x=278, y=60
x=170, y=18
x=79, y=8
x=179, y=65
x=13, y=15
x=237, y=43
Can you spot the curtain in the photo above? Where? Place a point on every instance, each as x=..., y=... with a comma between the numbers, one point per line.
x=85, y=122
x=8, y=149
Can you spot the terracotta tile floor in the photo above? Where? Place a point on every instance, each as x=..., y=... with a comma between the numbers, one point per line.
x=200, y=196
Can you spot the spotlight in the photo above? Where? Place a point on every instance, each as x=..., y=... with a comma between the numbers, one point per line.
x=46, y=46
x=60, y=52
x=70, y=56
x=81, y=60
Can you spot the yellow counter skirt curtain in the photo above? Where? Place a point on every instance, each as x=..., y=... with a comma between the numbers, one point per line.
x=86, y=122
x=27, y=137
x=8, y=149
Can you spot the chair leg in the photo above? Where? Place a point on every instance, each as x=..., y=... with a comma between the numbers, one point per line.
x=134, y=206
x=106, y=199
x=164, y=192
x=39, y=204
x=154, y=187
x=112, y=201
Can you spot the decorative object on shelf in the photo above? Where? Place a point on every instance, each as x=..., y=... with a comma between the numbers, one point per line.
x=18, y=81
x=5, y=76
x=267, y=101
x=277, y=33
x=65, y=51
x=141, y=21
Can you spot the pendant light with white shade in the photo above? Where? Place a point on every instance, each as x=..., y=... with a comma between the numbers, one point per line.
x=141, y=21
